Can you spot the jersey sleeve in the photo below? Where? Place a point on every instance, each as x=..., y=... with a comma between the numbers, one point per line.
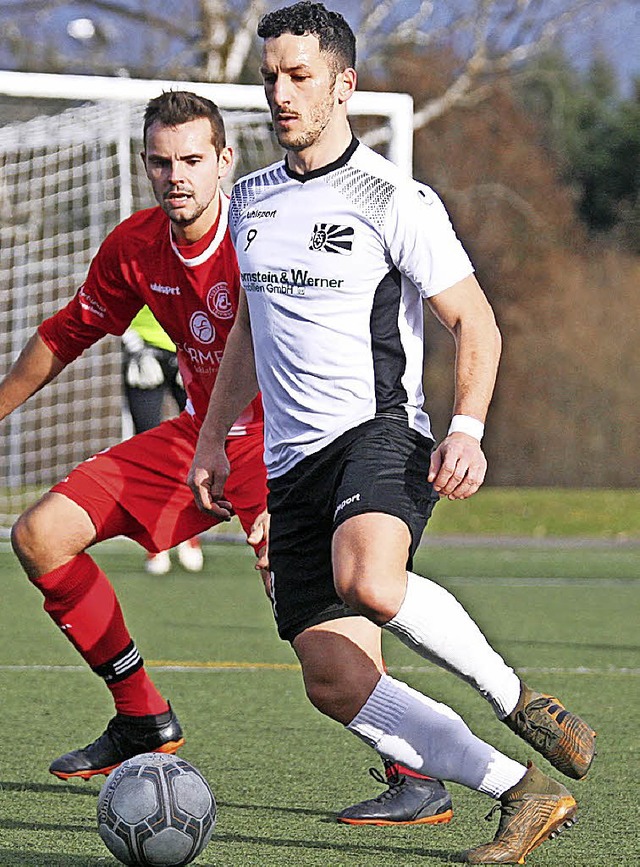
x=422, y=242
x=234, y=213
x=105, y=304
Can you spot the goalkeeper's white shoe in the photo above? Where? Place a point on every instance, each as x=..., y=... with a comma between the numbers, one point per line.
x=190, y=555
x=157, y=564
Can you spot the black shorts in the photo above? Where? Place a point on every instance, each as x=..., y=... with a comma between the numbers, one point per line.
x=380, y=466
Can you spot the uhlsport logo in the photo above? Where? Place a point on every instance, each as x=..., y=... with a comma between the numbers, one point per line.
x=331, y=238
x=165, y=290
x=219, y=301
x=201, y=328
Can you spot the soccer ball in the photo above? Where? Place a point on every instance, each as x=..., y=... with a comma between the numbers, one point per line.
x=156, y=810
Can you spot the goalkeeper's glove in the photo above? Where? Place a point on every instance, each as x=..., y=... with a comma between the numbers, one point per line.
x=142, y=368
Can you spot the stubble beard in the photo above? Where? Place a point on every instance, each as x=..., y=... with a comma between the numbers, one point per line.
x=180, y=218
x=319, y=119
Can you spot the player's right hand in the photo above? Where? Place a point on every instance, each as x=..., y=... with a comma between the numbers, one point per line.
x=458, y=466
x=207, y=478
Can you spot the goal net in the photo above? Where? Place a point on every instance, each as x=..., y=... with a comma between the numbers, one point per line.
x=69, y=172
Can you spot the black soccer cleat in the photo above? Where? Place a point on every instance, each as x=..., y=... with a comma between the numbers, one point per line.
x=408, y=800
x=125, y=736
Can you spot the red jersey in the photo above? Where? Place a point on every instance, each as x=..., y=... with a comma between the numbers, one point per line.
x=193, y=293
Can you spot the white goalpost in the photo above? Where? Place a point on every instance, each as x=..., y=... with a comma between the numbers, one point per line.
x=69, y=172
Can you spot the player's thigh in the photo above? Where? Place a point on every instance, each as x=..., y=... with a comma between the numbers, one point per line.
x=300, y=504
x=382, y=506
x=341, y=663
x=50, y=533
x=369, y=554
x=138, y=487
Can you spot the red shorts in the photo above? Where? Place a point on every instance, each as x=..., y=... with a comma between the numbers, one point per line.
x=138, y=488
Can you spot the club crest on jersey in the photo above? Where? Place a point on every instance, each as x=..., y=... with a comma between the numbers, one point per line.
x=201, y=327
x=219, y=301
x=331, y=238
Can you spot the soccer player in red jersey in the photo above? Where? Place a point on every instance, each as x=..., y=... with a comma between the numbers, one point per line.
x=178, y=259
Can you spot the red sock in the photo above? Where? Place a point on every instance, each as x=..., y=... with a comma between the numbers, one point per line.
x=80, y=599
x=136, y=695
x=397, y=768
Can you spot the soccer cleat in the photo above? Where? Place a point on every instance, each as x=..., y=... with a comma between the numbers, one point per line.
x=125, y=736
x=190, y=555
x=408, y=800
x=566, y=741
x=157, y=564
x=534, y=810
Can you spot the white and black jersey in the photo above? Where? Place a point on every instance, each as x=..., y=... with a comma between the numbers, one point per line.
x=335, y=264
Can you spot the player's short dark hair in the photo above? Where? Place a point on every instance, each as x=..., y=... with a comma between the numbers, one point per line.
x=332, y=31
x=175, y=107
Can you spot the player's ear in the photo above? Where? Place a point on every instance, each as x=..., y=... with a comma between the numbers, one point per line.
x=143, y=157
x=346, y=82
x=225, y=161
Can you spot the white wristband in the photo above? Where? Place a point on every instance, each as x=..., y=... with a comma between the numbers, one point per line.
x=468, y=425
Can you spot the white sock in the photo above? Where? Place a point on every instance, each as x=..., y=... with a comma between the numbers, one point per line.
x=432, y=622
x=407, y=727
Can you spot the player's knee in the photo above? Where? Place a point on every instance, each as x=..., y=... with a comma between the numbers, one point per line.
x=39, y=542
x=26, y=540
x=329, y=695
x=369, y=595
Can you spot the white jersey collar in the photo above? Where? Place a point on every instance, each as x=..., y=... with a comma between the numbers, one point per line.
x=223, y=222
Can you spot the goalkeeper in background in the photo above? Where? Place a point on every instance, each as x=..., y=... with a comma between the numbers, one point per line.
x=150, y=371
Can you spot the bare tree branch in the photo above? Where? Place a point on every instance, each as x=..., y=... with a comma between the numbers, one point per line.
x=506, y=194
x=486, y=39
x=171, y=26
x=500, y=38
x=243, y=40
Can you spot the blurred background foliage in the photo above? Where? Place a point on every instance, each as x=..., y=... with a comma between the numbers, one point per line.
x=527, y=123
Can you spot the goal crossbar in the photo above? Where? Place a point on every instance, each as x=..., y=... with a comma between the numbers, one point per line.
x=397, y=107
x=70, y=170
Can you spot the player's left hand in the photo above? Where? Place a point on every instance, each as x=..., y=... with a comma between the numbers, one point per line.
x=259, y=533
x=458, y=466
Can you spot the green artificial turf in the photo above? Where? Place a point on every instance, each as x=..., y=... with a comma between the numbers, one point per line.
x=565, y=617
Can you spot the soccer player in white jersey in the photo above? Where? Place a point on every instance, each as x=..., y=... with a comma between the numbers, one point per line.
x=336, y=252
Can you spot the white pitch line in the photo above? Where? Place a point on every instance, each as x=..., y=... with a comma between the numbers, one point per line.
x=506, y=581
x=219, y=667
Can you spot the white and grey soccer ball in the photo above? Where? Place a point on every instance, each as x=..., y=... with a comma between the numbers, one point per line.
x=156, y=810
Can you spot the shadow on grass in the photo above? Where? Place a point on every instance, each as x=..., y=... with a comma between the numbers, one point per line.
x=264, y=808
x=360, y=851
x=9, y=858
x=46, y=788
x=357, y=850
